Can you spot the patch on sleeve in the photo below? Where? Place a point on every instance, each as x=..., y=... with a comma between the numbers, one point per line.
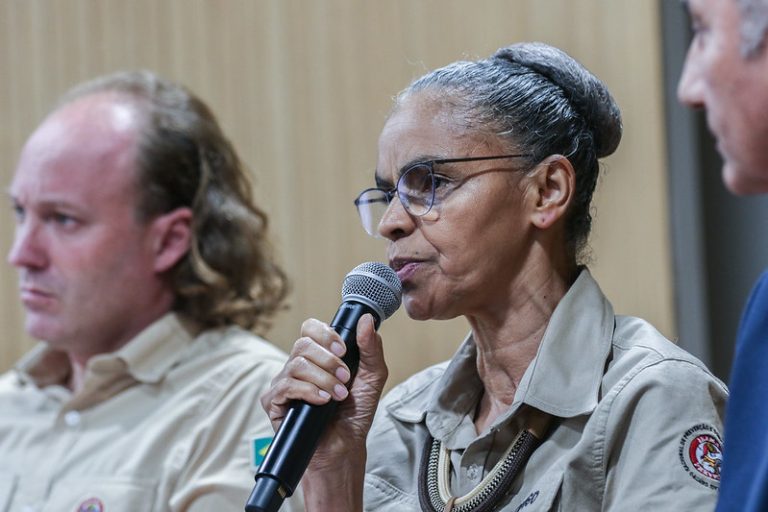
x=91, y=505
x=259, y=447
x=701, y=454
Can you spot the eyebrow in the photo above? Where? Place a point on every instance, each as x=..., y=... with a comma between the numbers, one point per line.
x=45, y=204
x=422, y=159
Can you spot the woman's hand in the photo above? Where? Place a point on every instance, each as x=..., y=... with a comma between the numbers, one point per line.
x=316, y=374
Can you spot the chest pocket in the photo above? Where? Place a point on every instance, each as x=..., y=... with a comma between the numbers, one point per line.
x=542, y=496
x=7, y=487
x=382, y=496
x=102, y=495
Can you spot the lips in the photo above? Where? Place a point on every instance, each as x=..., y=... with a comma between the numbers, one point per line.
x=35, y=298
x=405, y=267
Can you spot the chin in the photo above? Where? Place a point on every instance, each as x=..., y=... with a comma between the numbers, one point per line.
x=738, y=181
x=422, y=311
x=416, y=314
x=415, y=310
x=43, y=329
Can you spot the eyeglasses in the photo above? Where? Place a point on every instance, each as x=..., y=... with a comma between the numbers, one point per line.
x=418, y=189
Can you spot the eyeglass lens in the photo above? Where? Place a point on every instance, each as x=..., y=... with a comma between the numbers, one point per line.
x=415, y=189
x=371, y=205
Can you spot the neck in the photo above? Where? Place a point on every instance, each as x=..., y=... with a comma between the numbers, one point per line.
x=508, y=338
x=105, y=343
x=77, y=375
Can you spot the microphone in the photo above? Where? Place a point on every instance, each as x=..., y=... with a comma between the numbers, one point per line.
x=369, y=288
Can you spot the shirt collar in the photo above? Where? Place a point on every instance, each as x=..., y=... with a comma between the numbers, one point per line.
x=151, y=354
x=147, y=358
x=563, y=379
x=43, y=366
x=565, y=376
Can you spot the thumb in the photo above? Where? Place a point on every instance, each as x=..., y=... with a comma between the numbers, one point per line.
x=370, y=346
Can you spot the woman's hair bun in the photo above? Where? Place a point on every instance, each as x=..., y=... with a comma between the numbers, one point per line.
x=587, y=95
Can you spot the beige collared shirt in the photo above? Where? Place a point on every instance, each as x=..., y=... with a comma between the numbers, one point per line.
x=167, y=423
x=637, y=421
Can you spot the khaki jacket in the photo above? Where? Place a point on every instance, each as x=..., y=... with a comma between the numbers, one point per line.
x=637, y=421
x=167, y=423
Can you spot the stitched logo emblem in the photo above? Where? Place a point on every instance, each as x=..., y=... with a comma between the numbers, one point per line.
x=701, y=454
x=91, y=505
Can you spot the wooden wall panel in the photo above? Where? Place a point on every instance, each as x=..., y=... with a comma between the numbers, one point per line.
x=303, y=87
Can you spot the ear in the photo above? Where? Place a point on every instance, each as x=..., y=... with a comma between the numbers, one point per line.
x=555, y=182
x=172, y=238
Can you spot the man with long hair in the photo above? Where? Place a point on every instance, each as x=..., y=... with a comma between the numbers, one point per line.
x=143, y=266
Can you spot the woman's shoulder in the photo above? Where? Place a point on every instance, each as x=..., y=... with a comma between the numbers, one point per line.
x=637, y=338
x=640, y=351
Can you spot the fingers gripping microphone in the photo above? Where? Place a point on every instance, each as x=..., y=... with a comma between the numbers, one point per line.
x=369, y=288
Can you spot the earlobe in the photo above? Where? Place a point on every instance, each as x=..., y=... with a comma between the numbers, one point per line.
x=555, y=180
x=173, y=236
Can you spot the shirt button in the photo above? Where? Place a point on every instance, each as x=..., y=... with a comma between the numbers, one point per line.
x=72, y=418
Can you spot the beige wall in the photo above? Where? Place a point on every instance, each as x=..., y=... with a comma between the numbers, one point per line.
x=303, y=86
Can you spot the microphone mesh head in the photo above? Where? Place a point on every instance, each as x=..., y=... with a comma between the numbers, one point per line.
x=375, y=285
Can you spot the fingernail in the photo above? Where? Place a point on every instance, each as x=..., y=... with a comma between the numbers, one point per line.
x=342, y=374
x=337, y=348
x=324, y=394
x=340, y=391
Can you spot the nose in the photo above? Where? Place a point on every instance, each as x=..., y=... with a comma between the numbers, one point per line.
x=27, y=250
x=396, y=221
x=690, y=86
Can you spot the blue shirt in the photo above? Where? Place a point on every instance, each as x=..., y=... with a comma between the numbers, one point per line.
x=744, y=485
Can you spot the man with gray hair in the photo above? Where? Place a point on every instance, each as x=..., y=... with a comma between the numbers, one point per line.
x=143, y=265
x=726, y=73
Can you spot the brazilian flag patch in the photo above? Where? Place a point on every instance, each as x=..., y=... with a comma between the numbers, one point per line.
x=259, y=447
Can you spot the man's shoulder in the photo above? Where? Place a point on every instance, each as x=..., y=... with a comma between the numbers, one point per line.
x=235, y=340
x=233, y=353
x=234, y=346
x=758, y=299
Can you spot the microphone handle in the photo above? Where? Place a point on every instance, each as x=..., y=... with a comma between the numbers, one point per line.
x=298, y=435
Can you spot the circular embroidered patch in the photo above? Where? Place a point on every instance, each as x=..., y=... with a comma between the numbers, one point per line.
x=91, y=505
x=701, y=454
